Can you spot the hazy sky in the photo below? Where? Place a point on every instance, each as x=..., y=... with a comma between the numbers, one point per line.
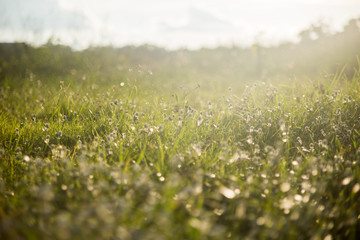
x=172, y=24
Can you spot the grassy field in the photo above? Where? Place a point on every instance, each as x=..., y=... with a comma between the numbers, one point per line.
x=137, y=156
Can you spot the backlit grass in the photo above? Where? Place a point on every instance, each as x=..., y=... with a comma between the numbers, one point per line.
x=142, y=158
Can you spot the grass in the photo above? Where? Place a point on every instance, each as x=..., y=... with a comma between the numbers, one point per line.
x=144, y=158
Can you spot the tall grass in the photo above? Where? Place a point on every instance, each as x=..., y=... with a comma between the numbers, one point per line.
x=137, y=158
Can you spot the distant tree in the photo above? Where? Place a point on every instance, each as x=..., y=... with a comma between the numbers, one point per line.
x=353, y=26
x=315, y=31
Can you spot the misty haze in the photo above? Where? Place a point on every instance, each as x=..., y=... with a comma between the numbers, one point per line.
x=179, y=120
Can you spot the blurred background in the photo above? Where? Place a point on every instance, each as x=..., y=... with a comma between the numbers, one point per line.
x=216, y=39
x=170, y=24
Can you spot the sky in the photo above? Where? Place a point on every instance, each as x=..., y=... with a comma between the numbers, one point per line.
x=171, y=24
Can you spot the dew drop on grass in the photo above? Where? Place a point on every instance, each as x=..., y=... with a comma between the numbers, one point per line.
x=211, y=175
x=260, y=221
x=286, y=204
x=298, y=197
x=227, y=192
x=356, y=188
x=328, y=237
x=218, y=212
x=346, y=181
x=306, y=198
x=26, y=158
x=285, y=187
x=249, y=140
x=305, y=177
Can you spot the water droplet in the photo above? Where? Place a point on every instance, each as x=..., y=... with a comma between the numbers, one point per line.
x=346, y=181
x=26, y=158
x=298, y=197
x=284, y=187
x=328, y=237
x=356, y=188
x=260, y=221
x=227, y=192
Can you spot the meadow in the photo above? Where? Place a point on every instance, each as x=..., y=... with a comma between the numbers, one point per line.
x=142, y=152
